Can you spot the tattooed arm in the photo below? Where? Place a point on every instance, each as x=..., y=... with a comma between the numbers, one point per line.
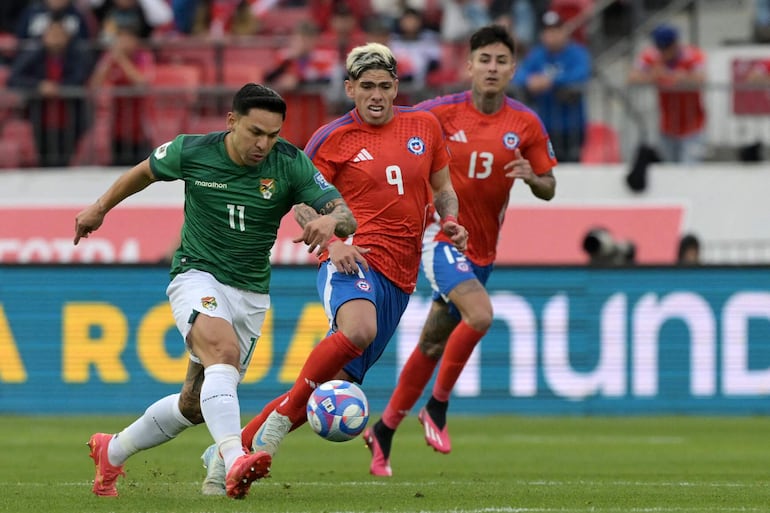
x=334, y=218
x=445, y=201
x=345, y=223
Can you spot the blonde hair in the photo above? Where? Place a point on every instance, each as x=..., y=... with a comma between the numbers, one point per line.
x=370, y=56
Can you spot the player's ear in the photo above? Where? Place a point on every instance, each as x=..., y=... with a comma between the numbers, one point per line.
x=231, y=120
x=349, y=89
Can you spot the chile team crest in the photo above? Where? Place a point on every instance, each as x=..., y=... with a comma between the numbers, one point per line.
x=266, y=187
x=511, y=140
x=416, y=145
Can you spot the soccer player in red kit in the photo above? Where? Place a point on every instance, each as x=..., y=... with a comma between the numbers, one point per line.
x=493, y=140
x=389, y=163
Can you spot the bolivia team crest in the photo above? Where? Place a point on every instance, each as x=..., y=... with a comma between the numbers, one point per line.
x=267, y=187
x=209, y=303
x=416, y=145
x=511, y=140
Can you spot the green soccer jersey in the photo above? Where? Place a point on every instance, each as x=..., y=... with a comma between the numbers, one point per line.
x=232, y=212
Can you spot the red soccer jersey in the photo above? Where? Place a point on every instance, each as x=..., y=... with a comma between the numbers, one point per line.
x=480, y=145
x=681, y=112
x=383, y=172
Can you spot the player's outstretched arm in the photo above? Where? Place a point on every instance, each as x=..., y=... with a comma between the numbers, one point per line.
x=134, y=180
x=334, y=218
x=542, y=186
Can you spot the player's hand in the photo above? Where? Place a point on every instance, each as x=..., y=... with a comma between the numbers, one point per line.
x=88, y=220
x=348, y=257
x=457, y=233
x=317, y=233
x=520, y=168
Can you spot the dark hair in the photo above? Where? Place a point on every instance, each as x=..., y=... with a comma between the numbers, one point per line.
x=256, y=96
x=687, y=243
x=492, y=34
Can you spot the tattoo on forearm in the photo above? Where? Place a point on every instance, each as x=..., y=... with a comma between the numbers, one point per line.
x=446, y=203
x=346, y=223
x=304, y=214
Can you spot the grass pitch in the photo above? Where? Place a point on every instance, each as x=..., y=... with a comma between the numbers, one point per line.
x=502, y=464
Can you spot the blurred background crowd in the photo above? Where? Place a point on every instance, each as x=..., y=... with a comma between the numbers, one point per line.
x=100, y=82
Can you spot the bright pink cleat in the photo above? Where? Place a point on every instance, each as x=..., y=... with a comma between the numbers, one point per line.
x=106, y=473
x=436, y=438
x=380, y=465
x=247, y=469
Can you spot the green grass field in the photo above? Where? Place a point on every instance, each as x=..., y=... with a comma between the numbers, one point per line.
x=502, y=464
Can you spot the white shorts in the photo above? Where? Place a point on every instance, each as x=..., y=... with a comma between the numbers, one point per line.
x=194, y=292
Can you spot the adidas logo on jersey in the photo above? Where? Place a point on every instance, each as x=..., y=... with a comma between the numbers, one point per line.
x=458, y=137
x=363, y=155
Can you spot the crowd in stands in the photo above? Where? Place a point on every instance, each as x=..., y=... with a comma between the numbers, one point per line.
x=90, y=69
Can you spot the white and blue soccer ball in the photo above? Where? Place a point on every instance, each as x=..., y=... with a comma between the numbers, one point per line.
x=338, y=410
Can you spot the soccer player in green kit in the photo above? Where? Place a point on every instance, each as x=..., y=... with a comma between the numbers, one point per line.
x=238, y=185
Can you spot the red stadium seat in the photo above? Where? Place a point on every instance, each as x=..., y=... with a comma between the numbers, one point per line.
x=283, y=20
x=601, y=146
x=20, y=132
x=173, y=96
x=206, y=124
x=306, y=112
x=199, y=54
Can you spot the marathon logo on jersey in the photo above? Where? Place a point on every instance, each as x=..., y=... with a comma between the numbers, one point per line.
x=209, y=303
x=321, y=181
x=416, y=145
x=363, y=285
x=267, y=187
x=511, y=140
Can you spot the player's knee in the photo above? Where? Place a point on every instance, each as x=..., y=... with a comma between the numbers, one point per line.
x=480, y=319
x=432, y=348
x=361, y=334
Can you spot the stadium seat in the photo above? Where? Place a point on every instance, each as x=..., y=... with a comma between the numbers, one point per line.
x=199, y=54
x=306, y=112
x=20, y=132
x=172, y=98
x=235, y=75
x=601, y=146
x=9, y=149
x=283, y=20
x=206, y=124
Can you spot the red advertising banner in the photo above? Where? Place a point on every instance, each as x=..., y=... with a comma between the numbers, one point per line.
x=530, y=235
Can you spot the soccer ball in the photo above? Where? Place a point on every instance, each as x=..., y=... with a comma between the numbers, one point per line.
x=338, y=410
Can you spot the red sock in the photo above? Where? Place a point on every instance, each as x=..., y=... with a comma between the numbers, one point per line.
x=414, y=376
x=459, y=347
x=322, y=364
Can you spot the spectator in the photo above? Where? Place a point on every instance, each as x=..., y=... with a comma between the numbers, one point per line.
x=388, y=12
x=761, y=21
x=146, y=14
x=689, y=250
x=343, y=32
x=303, y=63
x=324, y=12
x=10, y=13
x=678, y=71
x=461, y=18
x=45, y=72
x=519, y=17
x=420, y=44
x=34, y=20
x=126, y=63
x=554, y=74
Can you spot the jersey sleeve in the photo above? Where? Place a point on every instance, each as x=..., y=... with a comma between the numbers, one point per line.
x=539, y=152
x=312, y=187
x=166, y=160
x=440, y=150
